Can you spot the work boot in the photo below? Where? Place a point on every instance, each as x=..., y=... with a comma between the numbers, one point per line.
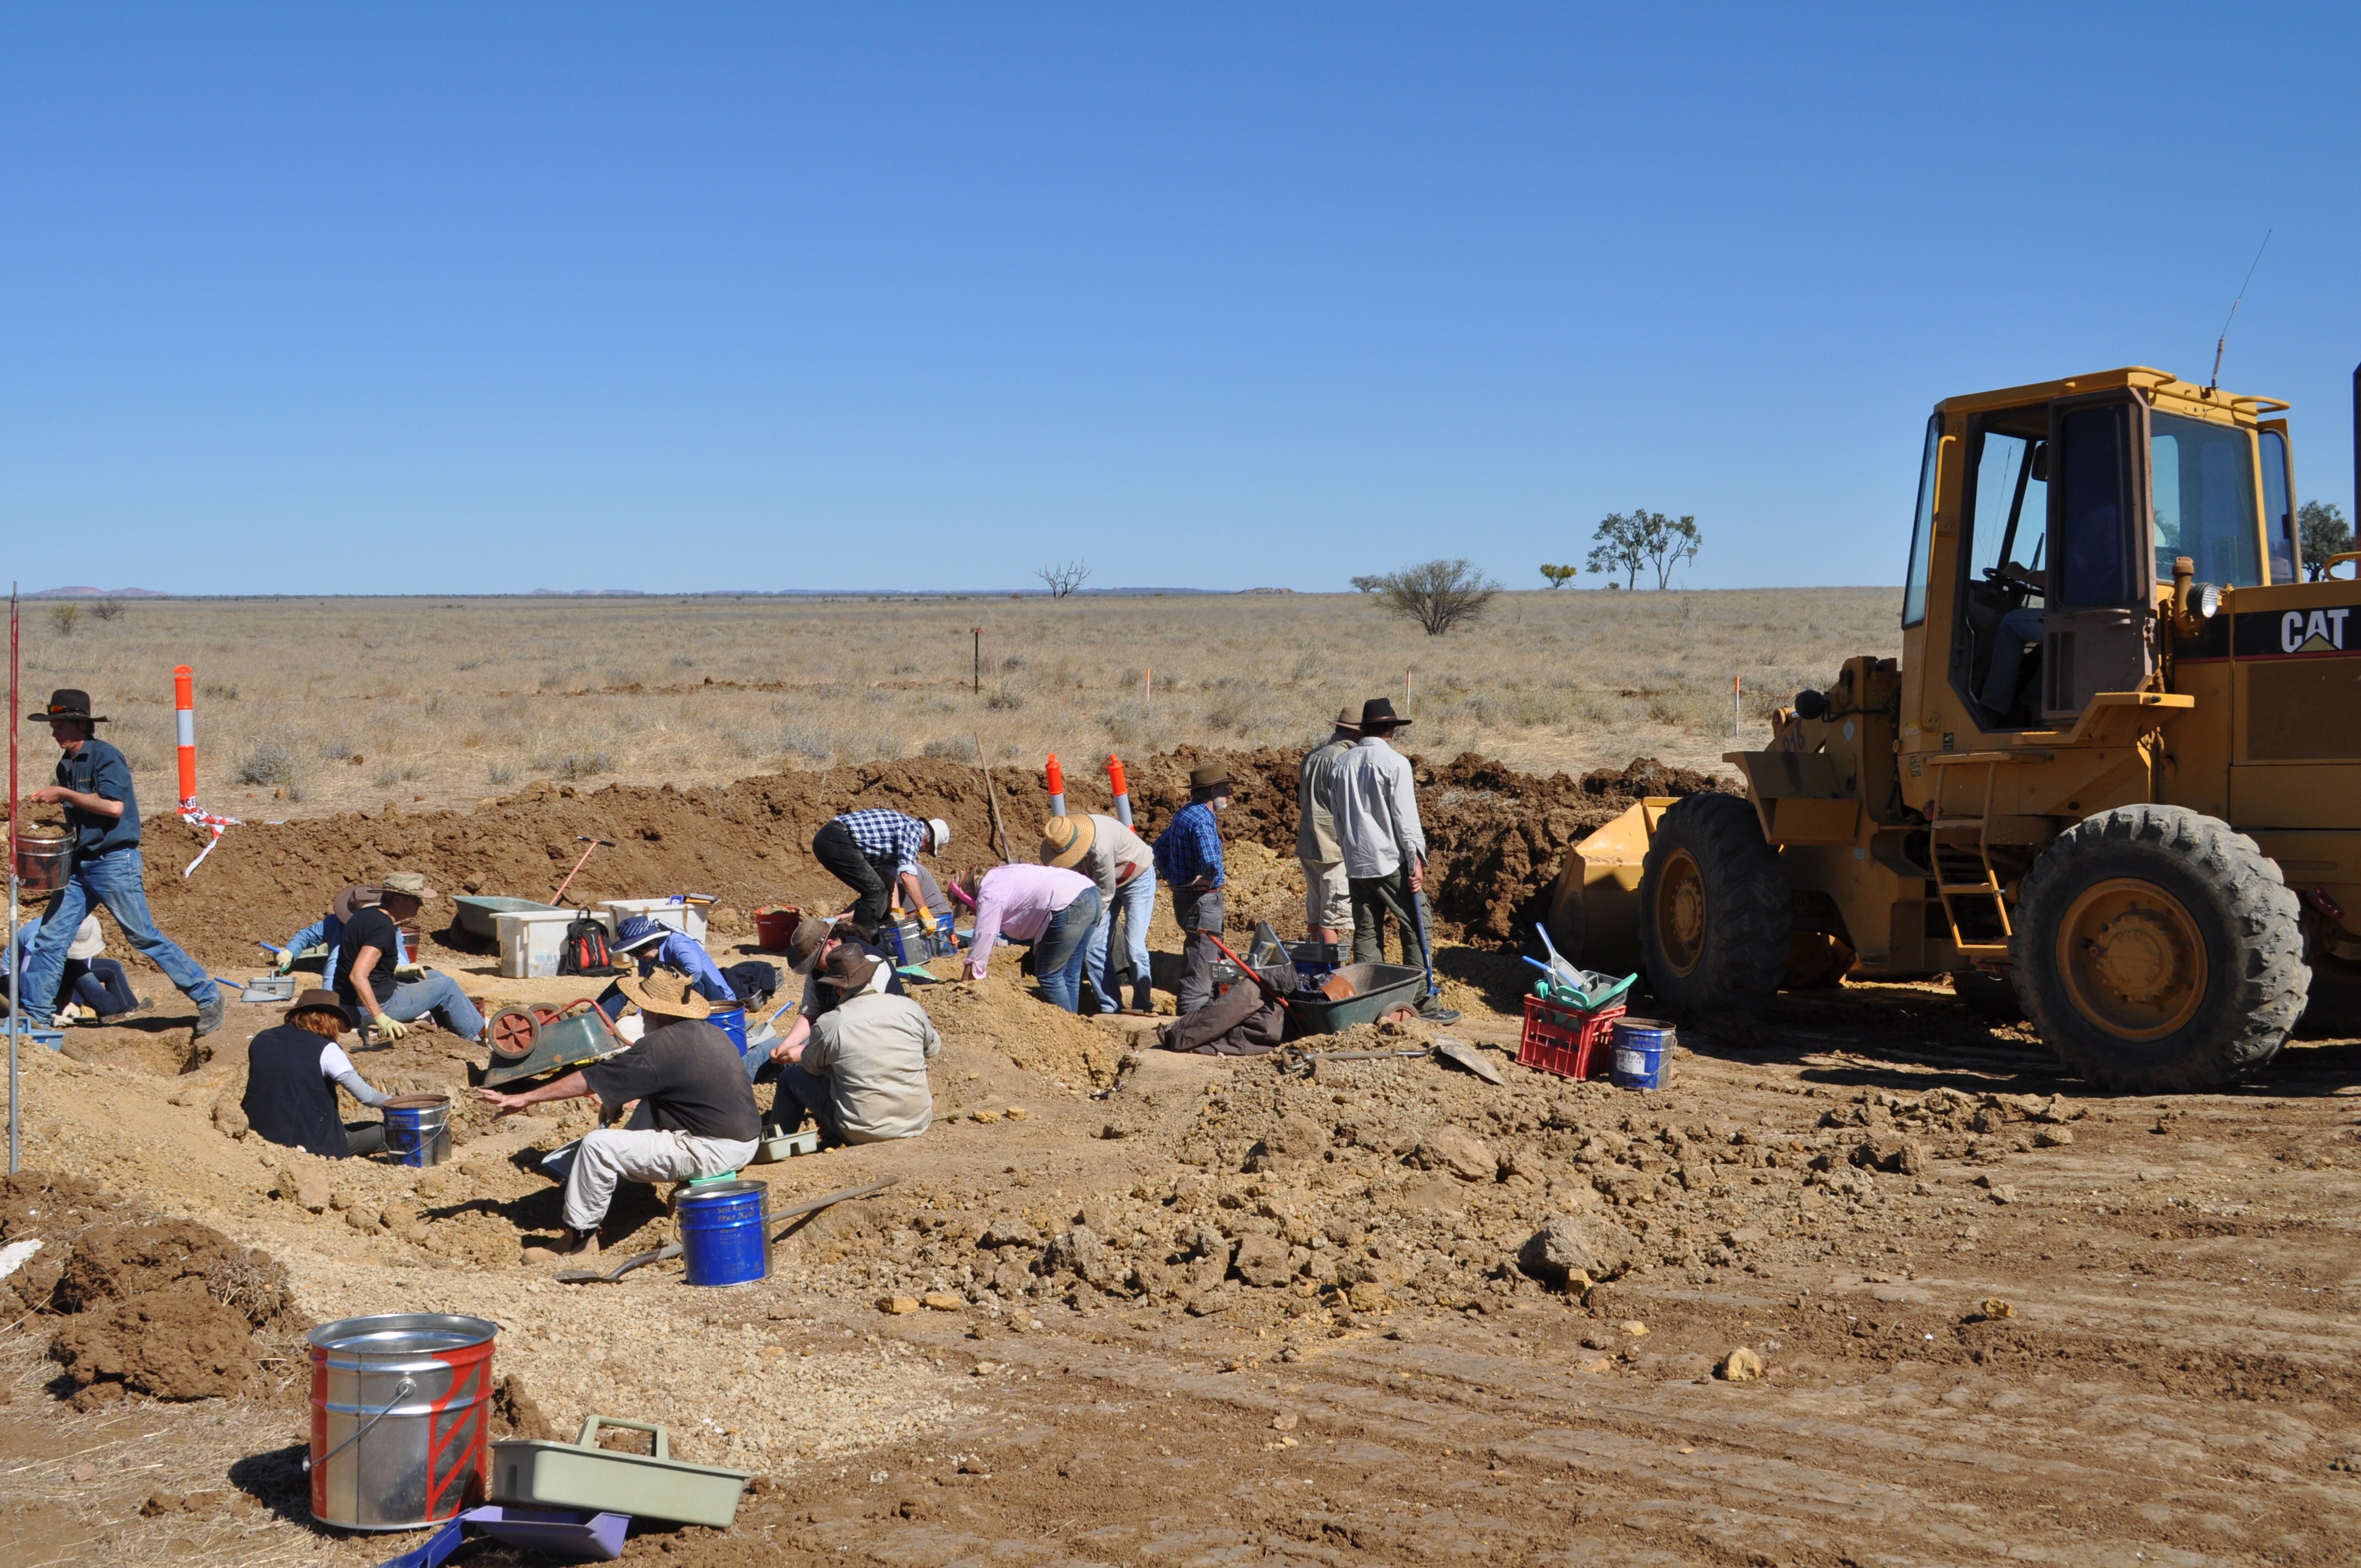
x=1433, y=1010
x=133, y=1011
x=209, y=1016
x=578, y=1247
x=1142, y=998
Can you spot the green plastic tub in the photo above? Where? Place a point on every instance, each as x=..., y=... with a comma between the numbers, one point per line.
x=1377, y=990
x=581, y=1474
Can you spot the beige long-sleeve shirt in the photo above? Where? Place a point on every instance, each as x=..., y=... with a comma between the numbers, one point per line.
x=873, y=1051
x=1315, y=825
x=1375, y=802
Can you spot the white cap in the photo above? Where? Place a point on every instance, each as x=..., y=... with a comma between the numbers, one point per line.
x=939, y=831
x=88, y=942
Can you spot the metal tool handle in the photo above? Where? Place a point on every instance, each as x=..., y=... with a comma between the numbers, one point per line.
x=402, y=1390
x=591, y=1424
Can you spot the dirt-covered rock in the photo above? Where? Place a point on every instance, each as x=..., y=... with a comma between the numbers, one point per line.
x=1568, y=1246
x=1461, y=1155
x=1261, y=1260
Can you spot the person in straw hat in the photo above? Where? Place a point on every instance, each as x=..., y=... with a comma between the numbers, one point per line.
x=1327, y=892
x=292, y=1072
x=1188, y=859
x=383, y=988
x=696, y=1114
x=93, y=784
x=1123, y=867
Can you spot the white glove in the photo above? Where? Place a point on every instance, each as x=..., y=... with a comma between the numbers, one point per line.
x=407, y=971
x=388, y=1028
x=286, y=961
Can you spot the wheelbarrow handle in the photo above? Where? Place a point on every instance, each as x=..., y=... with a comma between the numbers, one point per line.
x=1252, y=973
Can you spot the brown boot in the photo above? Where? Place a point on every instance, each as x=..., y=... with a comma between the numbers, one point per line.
x=578, y=1246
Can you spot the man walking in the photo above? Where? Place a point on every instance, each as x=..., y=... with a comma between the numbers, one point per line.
x=94, y=786
x=1327, y=895
x=1188, y=859
x=1374, y=801
x=868, y=852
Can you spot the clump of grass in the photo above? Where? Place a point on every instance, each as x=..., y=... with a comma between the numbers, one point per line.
x=1005, y=701
x=107, y=609
x=218, y=689
x=573, y=765
x=957, y=748
x=335, y=750
x=501, y=774
x=273, y=762
x=807, y=743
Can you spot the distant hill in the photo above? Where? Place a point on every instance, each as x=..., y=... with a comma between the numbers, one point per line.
x=98, y=594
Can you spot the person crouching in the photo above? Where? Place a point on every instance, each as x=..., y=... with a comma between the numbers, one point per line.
x=696, y=1114
x=862, y=1071
x=292, y=1074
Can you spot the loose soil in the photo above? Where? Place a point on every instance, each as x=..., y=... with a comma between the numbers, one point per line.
x=1179, y=1310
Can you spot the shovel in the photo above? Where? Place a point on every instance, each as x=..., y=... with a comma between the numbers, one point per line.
x=810, y=1205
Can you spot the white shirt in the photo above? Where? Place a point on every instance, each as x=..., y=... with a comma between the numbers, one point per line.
x=1375, y=803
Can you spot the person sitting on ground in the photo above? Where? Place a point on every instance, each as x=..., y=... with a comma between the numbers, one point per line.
x=863, y=1072
x=382, y=991
x=328, y=931
x=292, y=1072
x=814, y=942
x=1049, y=907
x=1122, y=867
x=92, y=987
x=653, y=945
x=868, y=852
x=1188, y=862
x=695, y=1116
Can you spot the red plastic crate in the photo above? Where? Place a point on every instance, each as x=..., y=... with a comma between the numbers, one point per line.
x=1564, y=1041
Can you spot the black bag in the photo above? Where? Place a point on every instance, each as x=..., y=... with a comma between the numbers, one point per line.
x=584, y=951
x=752, y=982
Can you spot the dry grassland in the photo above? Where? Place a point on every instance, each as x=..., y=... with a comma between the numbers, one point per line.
x=313, y=705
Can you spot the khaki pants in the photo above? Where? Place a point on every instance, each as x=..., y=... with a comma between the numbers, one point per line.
x=612, y=1154
x=1327, y=896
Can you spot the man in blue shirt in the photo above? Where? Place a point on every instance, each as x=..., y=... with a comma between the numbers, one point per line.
x=1188, y=862
x=94, y=786
x=653, y=945
x=870, y=851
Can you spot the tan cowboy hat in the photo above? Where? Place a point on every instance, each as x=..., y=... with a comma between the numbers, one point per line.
x=407, y=884
x=1349, y=718
x=1212, y=775
x=361, y=895
x=1065, y=841
x=667, y=992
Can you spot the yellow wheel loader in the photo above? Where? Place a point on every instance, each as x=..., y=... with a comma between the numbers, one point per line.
x=2114, y=782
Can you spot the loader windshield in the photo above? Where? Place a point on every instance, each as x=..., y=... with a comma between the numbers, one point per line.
x=2203, y=476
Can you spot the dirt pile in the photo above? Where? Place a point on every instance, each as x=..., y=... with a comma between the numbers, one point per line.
x=174, y=1343
x=1497, y=836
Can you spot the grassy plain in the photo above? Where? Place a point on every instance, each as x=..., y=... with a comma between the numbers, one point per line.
x=313, y=705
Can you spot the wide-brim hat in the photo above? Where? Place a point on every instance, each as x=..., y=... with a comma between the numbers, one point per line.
x=351, y=900
x=1212, y=775
x=408, y=885
x=849, y=969
x=67, y=703
x=1065, y=841
x=1348, y=719
x=638, y=931
x=1380, y=710
x=316, y=1000
x=810, y=934
x=939, y=833
x=667, y=992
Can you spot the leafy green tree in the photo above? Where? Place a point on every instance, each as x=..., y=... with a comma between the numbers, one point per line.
x=1560, y=576
x=1645, y=540
x=2324, y=532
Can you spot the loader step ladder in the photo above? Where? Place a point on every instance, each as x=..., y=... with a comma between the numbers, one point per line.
x=1962, y=831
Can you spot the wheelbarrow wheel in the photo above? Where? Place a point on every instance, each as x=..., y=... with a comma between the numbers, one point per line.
x=513, y=1032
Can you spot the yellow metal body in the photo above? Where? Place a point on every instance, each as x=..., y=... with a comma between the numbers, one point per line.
x=1904, y=815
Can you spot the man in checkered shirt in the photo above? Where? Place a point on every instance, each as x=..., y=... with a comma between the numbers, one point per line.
x=869, y=851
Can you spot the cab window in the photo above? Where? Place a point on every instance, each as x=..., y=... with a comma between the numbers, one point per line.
x=1922, y=530
x=2278, y=505
x=2204, y=480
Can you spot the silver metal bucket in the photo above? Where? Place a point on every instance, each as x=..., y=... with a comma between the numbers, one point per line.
x=400, y=1408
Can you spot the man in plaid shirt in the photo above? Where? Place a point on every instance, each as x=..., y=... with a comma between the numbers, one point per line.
x=869, y=851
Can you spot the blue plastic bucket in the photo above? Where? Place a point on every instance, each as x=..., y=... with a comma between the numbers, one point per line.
x=1641, y=1051
x=732, y=1023
x=724, y=1239
x=418, y=1128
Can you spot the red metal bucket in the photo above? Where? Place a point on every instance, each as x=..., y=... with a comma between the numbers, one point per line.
x=773, y=929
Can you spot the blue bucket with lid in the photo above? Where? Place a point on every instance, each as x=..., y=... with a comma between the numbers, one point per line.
x=730, y=1021
x=724, y=1237
x=1640, y=1052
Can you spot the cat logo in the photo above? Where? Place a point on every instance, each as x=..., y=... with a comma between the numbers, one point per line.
x=2322, y=632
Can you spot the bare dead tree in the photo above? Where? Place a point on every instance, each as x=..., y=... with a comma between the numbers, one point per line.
x=1064, y=579
x=1438, y=595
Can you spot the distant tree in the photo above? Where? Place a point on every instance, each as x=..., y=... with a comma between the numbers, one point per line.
x=2325, y=532
x=63, y=617
x=107, y=609
x=1369, y=584
x=1670, y=543
x=1438, y=595
x=1560, y=576
x=1643, y=541
x=1064, y=579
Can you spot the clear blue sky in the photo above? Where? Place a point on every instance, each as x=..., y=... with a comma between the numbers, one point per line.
x=436, y=298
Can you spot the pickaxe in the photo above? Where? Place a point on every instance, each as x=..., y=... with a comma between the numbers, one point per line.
x=559, y=896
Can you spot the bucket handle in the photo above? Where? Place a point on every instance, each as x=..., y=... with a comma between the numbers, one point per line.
x=590, y=1425
x=402, y=1390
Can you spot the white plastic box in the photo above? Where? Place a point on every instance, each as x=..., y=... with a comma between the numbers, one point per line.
x=531, y=938
x=683, y=914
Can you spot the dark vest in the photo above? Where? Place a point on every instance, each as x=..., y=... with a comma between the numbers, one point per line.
x=287, y=1100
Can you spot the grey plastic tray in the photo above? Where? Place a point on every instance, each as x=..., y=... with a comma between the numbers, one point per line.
x=581, y=1474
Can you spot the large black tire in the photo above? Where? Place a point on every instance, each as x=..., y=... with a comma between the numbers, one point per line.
x=2158, y=950
x=1714, y=909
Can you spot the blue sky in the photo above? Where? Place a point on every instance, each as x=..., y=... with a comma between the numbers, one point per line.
x=438, y=299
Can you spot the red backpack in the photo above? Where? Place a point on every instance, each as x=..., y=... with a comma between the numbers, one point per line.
x=584, y=951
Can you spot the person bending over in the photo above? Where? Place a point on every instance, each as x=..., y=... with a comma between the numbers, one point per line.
x=292, y=1072
x=696, y=1114
x=868, y=852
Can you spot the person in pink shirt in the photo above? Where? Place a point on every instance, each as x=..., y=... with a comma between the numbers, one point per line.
x=1052, y=909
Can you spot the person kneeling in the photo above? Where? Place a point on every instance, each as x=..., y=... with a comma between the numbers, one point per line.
x=291, y=1074
x=861, y=1072
x=696, y=1114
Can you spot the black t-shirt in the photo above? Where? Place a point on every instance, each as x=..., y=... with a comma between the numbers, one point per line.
x=688, y=1076
x=368, y=928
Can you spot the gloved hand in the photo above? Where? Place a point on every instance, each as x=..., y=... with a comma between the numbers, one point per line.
x=388, y=1028
x=926, y=920
x=407, y=971
x=286, y=961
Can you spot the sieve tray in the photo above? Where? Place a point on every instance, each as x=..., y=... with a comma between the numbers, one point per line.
x=581, y=1474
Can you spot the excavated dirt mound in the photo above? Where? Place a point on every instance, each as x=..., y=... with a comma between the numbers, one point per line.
x=174, y=1343
x=1496, y=835
x=122, y=1262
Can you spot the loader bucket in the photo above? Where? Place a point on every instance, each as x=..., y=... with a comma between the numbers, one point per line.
x=1594, y=905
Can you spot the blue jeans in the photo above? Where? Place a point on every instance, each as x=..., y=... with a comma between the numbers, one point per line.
x=116, y=880
x=800, y=1091
x=1136, y=900
x=2017, y=627
x=1064, y=949
x=437, y=994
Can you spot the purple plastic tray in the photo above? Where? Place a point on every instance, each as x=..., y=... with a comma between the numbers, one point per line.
x=569, y=1533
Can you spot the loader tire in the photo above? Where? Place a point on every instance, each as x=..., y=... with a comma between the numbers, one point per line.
x=1714, y=909
x=2157, y=949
